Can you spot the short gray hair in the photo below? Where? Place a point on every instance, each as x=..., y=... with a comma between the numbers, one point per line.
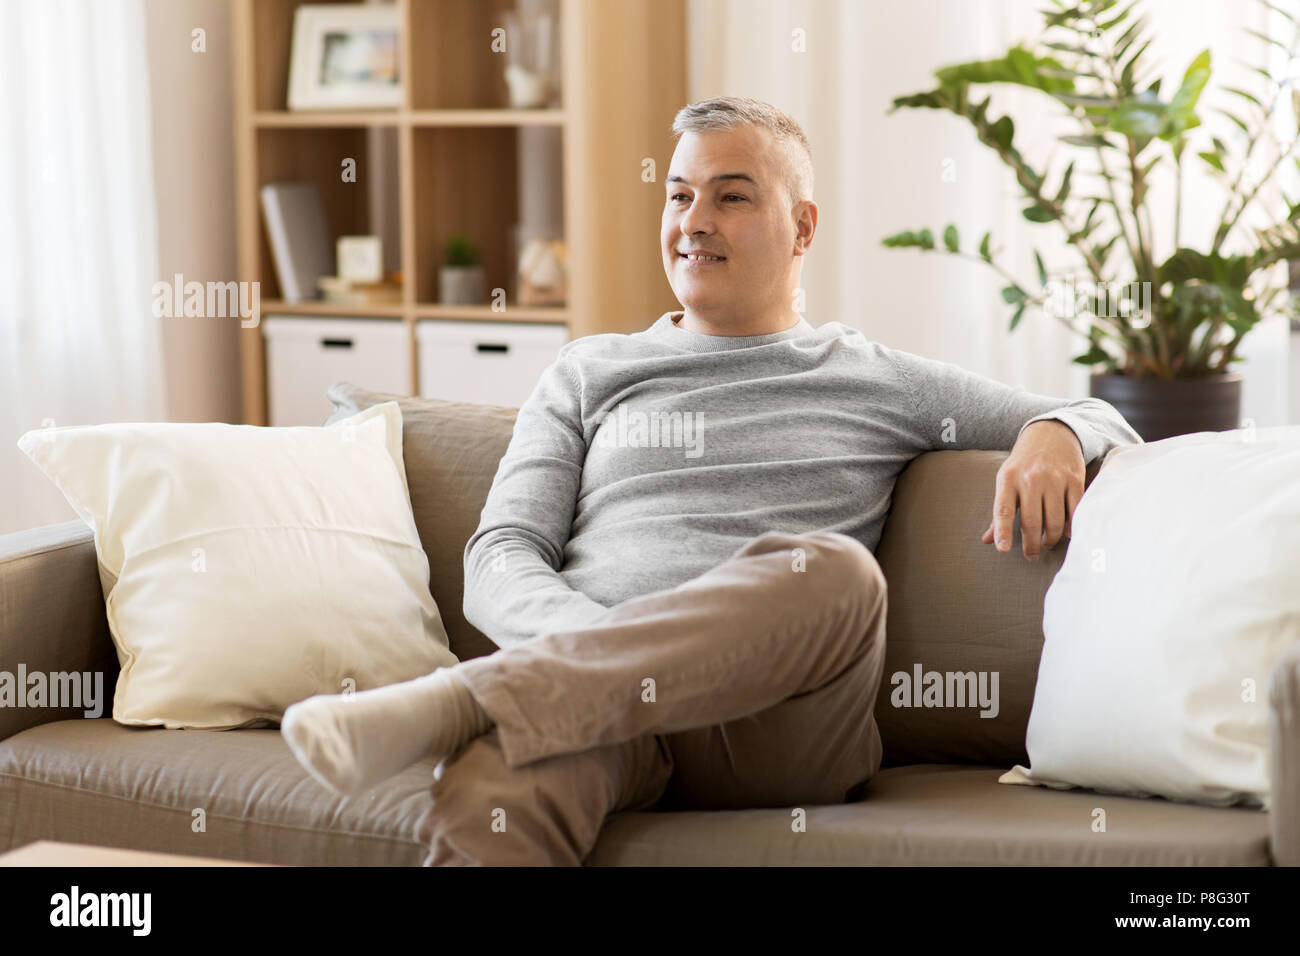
x=729, y=112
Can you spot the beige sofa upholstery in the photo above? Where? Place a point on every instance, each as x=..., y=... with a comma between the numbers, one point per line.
x=954, y=604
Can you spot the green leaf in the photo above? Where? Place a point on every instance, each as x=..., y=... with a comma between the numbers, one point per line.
x=1102, y=250
x=1042, y=269
x=1003, y=130
x=1213, y=159
x=1070, y=48
x=1015, y=319
x=1278, y=10
x=1064, y=191
x=1274, y=41
x=1117, y=19
x=1012, y=294
x=984, y=247
x=950, y=240
x=935, y=100
x=1140, y=116
x=1019, y=66
x=1130, y=68
x=1092, y=356
x=1127, y=38
x=900, y=240
x=1038, y=213
x=1236, y=119
x=1088, y=102
x=1244, y=95
x=1085, y=140
x=925, y=239
x=1182, y=108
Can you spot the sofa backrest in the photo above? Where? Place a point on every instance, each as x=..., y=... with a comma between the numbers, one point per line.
x=955, y=605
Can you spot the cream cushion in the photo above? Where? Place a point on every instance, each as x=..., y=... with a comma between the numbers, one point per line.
x=248, y=568
x=1177, y=598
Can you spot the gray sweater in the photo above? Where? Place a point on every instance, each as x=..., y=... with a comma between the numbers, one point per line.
x=641, y=461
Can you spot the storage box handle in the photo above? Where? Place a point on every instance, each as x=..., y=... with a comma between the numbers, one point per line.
x=492, y=347
x=336, y=343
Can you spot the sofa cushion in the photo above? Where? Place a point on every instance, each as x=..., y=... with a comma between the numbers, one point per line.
x=98, y=782
x=944, y=815
x=229, y=544
x=1184, y=568
x=451, y=450
x=956, y=605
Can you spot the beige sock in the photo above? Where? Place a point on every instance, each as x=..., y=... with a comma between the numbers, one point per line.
x=351, y=742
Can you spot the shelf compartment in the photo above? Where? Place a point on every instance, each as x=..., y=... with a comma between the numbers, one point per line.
x=453, y=65
x=316, y=154
x=272, y=51
x=465, y=182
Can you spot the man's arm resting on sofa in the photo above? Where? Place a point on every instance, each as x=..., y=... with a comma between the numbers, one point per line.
x=1051, y=443
x=51, y=616
x=1284, y=759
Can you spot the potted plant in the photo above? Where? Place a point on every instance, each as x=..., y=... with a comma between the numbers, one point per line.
x=1162, y=333
x=460, y=281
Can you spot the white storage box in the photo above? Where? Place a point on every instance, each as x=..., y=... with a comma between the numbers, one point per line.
x=491, y=363
x=305, y=356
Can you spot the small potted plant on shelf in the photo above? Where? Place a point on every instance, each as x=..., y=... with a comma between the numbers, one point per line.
x=460, y=280
x=1162, y=332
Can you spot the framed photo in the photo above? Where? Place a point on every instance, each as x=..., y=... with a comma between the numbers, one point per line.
x=345, y=56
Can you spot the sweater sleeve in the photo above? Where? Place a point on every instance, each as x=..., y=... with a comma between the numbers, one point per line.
x=956, y=409
x=513, y=589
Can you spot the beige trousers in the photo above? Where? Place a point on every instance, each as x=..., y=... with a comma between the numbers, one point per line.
x=752, y=685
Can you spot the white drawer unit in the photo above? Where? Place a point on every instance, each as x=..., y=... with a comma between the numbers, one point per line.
x=305, y=356
x=491, y=363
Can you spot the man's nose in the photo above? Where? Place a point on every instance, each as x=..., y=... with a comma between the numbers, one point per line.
x=697, y=219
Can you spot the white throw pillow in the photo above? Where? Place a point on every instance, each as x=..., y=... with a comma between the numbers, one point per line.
x=1179, y=593
x=248, y=568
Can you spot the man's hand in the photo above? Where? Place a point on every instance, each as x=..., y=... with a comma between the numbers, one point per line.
x=1044, y=476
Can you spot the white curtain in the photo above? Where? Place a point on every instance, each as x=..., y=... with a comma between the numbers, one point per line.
x=78, y=233
x=877, y=174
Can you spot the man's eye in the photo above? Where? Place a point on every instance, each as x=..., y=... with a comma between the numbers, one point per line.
x=734, y=196
x=677, y=196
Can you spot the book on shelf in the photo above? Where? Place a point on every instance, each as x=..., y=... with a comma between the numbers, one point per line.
x=300, y=239
x=338, y=291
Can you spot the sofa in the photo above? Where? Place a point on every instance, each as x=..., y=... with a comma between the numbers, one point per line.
x=954, y=605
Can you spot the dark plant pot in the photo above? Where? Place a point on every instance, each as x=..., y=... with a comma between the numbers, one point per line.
x=1162, y=409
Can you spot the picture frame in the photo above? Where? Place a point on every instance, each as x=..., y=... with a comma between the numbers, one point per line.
x=346, y=56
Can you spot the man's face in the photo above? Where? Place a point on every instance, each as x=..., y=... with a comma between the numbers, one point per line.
x=726, y=196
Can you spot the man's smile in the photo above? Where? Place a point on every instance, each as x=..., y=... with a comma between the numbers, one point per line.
x=701, y=258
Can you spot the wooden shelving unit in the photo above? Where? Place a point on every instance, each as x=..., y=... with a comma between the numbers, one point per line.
x=457, y=144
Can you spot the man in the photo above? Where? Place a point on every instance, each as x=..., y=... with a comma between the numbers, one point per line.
x=676, y=555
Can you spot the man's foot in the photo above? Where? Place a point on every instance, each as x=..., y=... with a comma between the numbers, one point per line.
x=351, y=742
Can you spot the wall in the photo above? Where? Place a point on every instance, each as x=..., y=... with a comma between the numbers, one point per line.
x=193, y=159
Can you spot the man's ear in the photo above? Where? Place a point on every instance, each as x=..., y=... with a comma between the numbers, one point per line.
x=805, y=225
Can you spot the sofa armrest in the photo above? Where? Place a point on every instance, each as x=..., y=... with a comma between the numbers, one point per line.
x=52, y=616
x=1284, y=759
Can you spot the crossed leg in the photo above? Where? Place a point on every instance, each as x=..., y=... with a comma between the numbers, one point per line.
x=751, y=685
